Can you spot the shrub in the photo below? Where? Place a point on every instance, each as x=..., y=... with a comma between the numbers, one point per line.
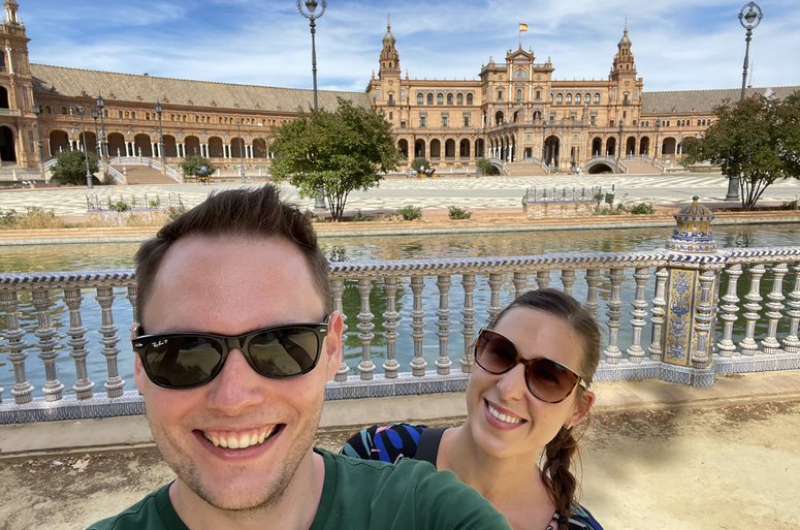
x=70, y=168
x=487, y=168
x=643, y=208
x=410, y=213
x=454, y=212
x=199, y=167
x=420, y=164
x=34, y=217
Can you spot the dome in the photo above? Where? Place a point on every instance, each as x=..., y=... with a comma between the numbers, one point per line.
x=693, y=233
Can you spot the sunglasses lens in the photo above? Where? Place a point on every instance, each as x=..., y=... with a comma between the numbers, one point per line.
x=182, y=362
x=495, y=353
x=549, y=381
x=284, y=352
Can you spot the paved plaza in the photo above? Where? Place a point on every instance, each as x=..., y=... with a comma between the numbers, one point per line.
x=474, y=193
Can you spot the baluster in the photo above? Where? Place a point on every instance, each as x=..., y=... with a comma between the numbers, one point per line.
x=703, y=316
x=495, y=284
x=53, y=389
x=418, y=363
x=337, y=293
x=22, y=391
x=612, y=352
x=752, y=309
x=77, y=340
x=774, y=306
x=635, y=351
x=658, y=312
x=468, y=281
x=390, y=322
x=365, y=326
x=108, y=331
x=543, y=279
x=593, y=279
x=791, y=343
x=568, y=279
x=728, y=311
x=520, y=283
x=443, y=363
x=132, y=301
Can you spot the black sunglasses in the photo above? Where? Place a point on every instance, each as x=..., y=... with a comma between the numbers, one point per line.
x=187, y=360
x=546, y=379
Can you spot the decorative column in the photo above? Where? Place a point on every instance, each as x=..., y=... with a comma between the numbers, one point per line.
x=728, y=311
x=390, y=322
x=612, y=352
x=108, y=330
x=443, y=363
x=365, y=326
x=520, y=283
x=568, y=279
x=543, y=279
x=77, y=340
x=53, y=389
x=791, y=343
x=495, y=284
x=659, y=311
x=468, y=281
x=593, y=279
x=638, y=314
x=337, y=293
x=774, y=314
x=752, y=308
x=690, y=307
x=418, y=363
x=22, y=391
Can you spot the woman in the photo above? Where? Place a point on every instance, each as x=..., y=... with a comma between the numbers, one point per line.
x=527, y=393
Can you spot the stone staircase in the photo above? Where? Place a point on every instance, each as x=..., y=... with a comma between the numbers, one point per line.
x=641, y=166
x=525, y=169
x=144, y=175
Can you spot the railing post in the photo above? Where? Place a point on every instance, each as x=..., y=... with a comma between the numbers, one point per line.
x=418, y=363
x=53, y=389
x=700, y=354
x=752, y=309
x=390, y=322
x=568, y=279
x=22, y=391
x=543, y=279
x=593, y=279
x=728, y=311
x=520, y=283
x=468, y=281
x=791, y=343
x=337, y=293
x=114, y=383
x=659, y=311
x=77, y=340
x=639, y=313
x=443, y=363
x=495, y=284
x=774, y=306
x=612, y=352
x=365, y=326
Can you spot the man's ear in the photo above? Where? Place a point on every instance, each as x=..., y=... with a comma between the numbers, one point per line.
x=583, y=404
x=334, y=344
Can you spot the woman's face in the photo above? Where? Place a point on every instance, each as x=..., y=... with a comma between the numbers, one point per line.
x=504, y=418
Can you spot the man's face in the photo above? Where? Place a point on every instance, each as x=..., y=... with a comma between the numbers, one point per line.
x=229, y=285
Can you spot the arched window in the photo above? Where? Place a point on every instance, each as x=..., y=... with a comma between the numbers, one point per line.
x=460, y=99
x=538, y=95
x=569, y=99
x=519, y=95
x=430, y=99
x=560, y=99
x=597, y=97
x=420, y=98
x=3, y=97
x=587, y=98
x=577, y=99
x=449, y=99
x=625, y=99
x=499, y=95
x=469, y=99
x=440, y=99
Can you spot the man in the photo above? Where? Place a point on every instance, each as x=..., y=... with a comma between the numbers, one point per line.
x=236, y=342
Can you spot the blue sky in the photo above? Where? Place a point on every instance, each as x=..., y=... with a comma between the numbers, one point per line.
x=679, y=44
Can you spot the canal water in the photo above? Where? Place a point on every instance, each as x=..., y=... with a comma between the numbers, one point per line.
x=80, y=257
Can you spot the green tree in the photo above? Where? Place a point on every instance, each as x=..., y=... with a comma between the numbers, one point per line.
x=197, y=166
x=757, y=140
x=70, y=168
x=336, y=152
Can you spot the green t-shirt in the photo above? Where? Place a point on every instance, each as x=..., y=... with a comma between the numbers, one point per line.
x=358, y=495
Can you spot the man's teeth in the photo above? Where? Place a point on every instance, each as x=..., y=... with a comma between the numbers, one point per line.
x=240, y=440
x=505, y=418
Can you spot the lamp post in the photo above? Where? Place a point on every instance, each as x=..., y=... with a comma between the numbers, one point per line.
x=100, y=106
x=82, y=112
x=242, y=177
x=749, y=17
x=310, y=12
x=159, y=112
x=37, y=109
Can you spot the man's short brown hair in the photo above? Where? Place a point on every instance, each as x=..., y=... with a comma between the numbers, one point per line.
x=245, y=212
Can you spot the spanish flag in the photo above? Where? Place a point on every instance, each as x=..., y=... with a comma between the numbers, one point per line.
x=523, y=27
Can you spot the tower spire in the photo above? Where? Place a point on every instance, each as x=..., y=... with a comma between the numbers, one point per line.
x=12, y=12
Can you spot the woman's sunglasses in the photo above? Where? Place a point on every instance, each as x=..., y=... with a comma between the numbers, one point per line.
x=547, y=380
x=187, y=360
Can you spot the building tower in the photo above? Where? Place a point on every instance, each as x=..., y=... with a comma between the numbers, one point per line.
x=19, y=136
x=390, y=58
x=385, y=92
x=625, y=91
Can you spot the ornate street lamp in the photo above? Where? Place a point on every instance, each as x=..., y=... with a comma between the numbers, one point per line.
x=159, y=111
x=82, y=112
x=37, y=109
x=310, y=12
x=100, y=106
x=749, y=17
x=242, y=149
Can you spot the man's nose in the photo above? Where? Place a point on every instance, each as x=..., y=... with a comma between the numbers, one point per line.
x=237, y=387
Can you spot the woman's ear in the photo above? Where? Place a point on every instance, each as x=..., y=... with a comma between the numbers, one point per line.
x=583, y=405
x=334, y=344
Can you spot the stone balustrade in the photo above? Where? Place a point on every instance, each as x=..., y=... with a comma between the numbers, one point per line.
x=678, y=316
